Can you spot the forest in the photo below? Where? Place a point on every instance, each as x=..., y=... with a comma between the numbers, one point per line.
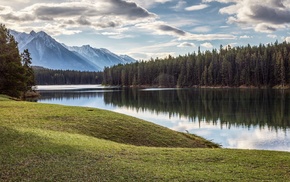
x=250, y=66
x=45, y=76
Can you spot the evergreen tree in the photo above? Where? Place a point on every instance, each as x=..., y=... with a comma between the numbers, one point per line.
x=13, y=74
x=28, y=71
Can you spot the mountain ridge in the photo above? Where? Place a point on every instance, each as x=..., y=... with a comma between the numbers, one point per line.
x=47, y=52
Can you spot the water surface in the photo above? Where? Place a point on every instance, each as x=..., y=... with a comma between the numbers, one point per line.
x=234, y=118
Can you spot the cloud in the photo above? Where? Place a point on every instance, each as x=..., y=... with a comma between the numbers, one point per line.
x=5, y=10
x=197, y=7
x=161, y=28
x=117, y=35
x=83, y=21
x=102, y=14
x=202, y=29
x=204, y=37
x=207, y=45
x=266, y=28
x=171, y=30
x=261, y=15
x=245, y=37
x=272, y=36
x=150, y=3
x=154, y=50
x=186, y=44
x=287, y=39
x=180, y=6
x=221, y=1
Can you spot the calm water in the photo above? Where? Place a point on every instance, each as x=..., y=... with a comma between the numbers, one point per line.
x=234, y=118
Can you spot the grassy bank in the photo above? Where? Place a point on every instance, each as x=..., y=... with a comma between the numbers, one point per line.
x=42, y=142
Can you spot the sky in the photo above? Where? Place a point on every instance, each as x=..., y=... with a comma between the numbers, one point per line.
x=147, y=29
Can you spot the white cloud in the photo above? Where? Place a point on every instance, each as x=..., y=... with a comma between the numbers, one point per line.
x=287, y=39
x=197, y=7
x=5, y=10
x=204, y=37
x=245, y=37
x=261, y=15
x=221, y=1
x=207, y=45
x=160, y=50
x=272, y=36
x=203, y=29
x=180, y=5
x=150, y=3
x=186, y=44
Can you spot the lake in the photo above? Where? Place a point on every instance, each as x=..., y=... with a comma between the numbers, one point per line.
x=234, y=118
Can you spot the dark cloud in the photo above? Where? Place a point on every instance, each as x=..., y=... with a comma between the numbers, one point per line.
x=115, y=9
x=24, y=17
x=278, y=3
x=270, y=15
x=167, y=28
x=108, y=24
x=45, y=18
x=129, y=9
x=265, y=28
x=83, y=21
x=58, y=11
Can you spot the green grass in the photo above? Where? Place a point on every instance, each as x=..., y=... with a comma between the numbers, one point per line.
x=42, y=142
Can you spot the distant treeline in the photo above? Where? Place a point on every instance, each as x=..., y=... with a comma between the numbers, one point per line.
x=259, y=66
x=45, y=76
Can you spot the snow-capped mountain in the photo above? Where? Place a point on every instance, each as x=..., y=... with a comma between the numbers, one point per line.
x=100, y=57
x=47, y=52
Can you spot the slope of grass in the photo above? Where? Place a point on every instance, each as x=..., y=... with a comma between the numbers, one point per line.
x=41, y=142
x=96, y=123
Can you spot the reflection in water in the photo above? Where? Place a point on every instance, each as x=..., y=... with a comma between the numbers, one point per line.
x=235, y=118
x=231, y=107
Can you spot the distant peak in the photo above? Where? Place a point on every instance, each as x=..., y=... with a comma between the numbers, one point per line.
x=32, y=33
x=42, y=33
x=87, y=46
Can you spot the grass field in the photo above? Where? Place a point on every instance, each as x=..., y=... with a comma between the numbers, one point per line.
x=42, y=142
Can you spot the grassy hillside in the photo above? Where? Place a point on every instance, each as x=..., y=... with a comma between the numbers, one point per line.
x=41, y=142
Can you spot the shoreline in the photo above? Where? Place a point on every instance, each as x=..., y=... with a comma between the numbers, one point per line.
x=277, y=87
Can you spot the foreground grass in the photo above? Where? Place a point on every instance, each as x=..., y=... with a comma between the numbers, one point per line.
x=40, y=142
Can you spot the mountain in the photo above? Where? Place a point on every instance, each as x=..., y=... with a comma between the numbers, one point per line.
x=100, y=57
x=47, y=52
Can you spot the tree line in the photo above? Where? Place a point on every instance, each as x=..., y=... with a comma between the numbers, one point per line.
x=258, y=66
x=16, y=74
x=45, y=76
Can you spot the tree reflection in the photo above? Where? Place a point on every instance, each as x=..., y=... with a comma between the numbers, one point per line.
x=232, y=107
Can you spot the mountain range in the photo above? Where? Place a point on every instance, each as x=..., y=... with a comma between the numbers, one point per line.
x=47, y=52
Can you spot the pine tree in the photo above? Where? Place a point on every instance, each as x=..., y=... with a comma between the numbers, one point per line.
x=12, y=72
x=29, y=80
